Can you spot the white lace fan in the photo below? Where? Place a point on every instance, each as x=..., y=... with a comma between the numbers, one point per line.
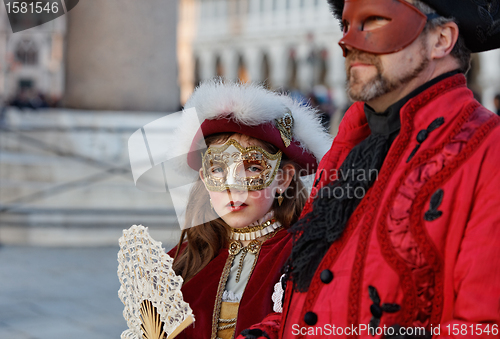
x=150, y=289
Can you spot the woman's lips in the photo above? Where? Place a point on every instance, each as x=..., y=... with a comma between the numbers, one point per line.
x=235, y=206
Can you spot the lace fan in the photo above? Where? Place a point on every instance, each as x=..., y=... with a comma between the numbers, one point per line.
x=150, y=289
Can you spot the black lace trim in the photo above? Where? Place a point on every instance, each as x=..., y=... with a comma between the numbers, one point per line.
x=333, y=206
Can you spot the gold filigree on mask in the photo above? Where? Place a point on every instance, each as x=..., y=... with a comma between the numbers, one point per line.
x=234, y=166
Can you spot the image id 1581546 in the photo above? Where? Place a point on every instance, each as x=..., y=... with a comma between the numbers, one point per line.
x=30, y=13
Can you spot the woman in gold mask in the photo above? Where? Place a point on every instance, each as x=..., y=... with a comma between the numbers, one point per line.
x=256, y=146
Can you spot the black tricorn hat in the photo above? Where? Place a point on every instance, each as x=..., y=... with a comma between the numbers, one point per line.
x=478, y=20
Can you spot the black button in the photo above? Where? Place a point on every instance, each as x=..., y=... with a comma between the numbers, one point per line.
x=422, y=135
x=376, y=310
x=310, y=318
x=326, y=276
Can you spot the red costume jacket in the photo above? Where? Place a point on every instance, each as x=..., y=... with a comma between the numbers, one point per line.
x=426, y=235
x=201, y=291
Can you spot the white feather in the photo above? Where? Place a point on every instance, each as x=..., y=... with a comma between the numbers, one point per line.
x=251, y=104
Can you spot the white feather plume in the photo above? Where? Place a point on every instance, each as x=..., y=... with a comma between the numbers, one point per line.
x=250, y=104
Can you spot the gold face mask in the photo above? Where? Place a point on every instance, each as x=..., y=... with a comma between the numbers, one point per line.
x=234, y=166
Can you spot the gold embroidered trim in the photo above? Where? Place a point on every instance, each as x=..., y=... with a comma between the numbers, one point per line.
x=225, y=327
x=220, y=291
x=240, y=265
x=223, y=281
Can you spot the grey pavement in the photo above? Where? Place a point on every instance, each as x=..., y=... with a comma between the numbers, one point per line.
x=59, y=293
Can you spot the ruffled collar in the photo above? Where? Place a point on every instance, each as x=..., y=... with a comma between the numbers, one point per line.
x=263, y=226
x=269, y=215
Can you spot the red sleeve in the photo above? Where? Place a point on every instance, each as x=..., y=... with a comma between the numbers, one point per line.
x=476, y=275
x=268, y=328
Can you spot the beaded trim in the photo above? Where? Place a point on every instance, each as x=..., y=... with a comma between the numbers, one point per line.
x=249, y=229
x=255, y=232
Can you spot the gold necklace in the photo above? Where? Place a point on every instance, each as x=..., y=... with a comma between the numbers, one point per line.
x=253, y=247
x=254, y=232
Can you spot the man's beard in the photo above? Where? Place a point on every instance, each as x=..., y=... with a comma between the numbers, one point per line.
x=380, y=84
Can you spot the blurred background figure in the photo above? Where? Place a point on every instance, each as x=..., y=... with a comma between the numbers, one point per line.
x=73, y=90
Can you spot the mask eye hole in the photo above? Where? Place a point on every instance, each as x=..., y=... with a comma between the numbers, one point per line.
x=217, y=171
x=374, y=22
x=253, y=168
x=345, y=26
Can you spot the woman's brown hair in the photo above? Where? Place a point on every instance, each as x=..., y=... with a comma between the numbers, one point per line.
x=203, y=242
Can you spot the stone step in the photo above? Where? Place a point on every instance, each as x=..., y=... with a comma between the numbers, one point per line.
x=65, y=179
x=81, y=227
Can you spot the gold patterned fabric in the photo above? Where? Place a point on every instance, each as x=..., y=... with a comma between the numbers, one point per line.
x=227, y=319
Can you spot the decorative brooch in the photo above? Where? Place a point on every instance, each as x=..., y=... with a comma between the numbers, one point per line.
x=285, y=126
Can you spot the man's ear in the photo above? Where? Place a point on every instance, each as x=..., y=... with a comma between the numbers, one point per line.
x=444, y=39
x=285, y=176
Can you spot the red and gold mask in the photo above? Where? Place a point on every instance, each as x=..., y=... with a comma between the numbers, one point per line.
x=404, y=24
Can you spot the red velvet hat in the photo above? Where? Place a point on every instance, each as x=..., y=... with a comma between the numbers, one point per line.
x=256, y=112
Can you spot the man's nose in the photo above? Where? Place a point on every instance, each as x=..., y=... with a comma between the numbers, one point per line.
x=345, y=47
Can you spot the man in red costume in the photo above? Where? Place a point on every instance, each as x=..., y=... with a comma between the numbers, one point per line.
x=400, y=238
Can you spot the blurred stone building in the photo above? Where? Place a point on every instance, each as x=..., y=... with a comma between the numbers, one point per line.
x=121, y=55
x=65, y=171
x=112, y=66
x=104, y=54
x=289, y=44
x=31, y=61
